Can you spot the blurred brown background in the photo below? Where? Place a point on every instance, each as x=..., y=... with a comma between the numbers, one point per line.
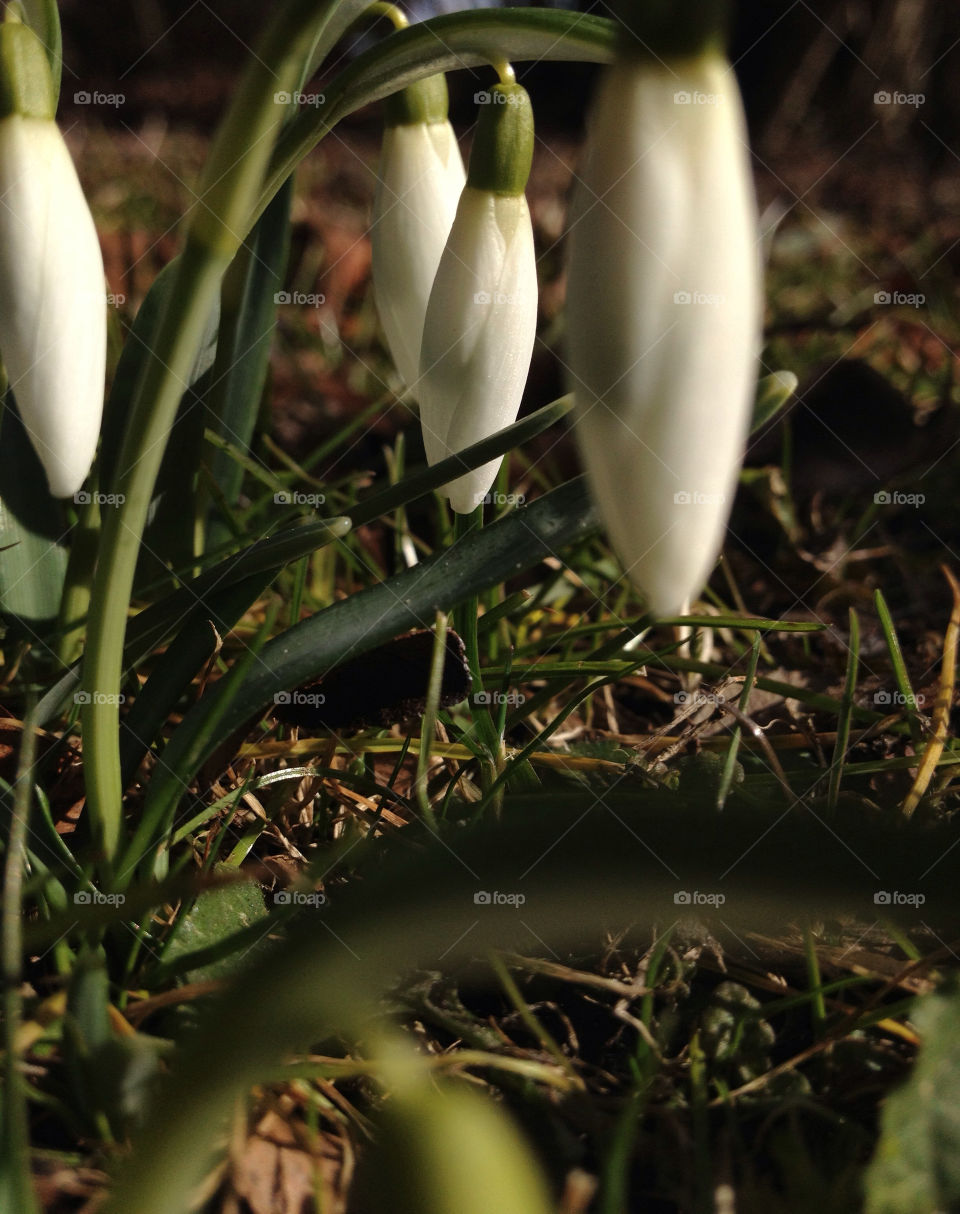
x=812, y=65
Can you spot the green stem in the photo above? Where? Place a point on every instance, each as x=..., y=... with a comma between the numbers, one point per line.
x=75, y=600
x=429, y=722
x=380, y=8
x=443, y=44
x=153, y=411
x=845, y=713
x=16, y=1192
x=465, y=618
x=231, y=183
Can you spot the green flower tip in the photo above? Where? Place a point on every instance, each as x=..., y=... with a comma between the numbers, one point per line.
x=26, y=86
x=672, y=29
x=422, y=101
x=503, y=145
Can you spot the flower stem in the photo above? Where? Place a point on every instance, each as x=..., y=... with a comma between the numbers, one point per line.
x=466, y=622
x=382, y=9
x=232, y=181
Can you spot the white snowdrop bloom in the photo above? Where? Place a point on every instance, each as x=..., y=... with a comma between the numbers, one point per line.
x=482, y=316
x=53, y=318
x=421, y=177
x=664, y=314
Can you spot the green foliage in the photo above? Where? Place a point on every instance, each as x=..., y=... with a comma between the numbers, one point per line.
x=33, y=552
x=917, y=1166
x=215, y=917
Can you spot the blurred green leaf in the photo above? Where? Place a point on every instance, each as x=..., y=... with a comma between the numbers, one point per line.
x=916, y=1169
x=773, y=392
x=449, y=1149
x=216, y=916
x=33, y=532
x=86, y=1028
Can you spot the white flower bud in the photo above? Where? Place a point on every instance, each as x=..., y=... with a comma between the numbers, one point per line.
x=663, y=315
x=420, y=180
x=53, y=321
x=482, y=316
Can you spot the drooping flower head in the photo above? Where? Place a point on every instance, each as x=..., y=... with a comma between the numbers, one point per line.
x=420, y=179
x=52, y=296
x=663, y=308
x=482, y=316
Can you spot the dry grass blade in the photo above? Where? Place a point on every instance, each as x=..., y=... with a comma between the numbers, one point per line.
x=941, y=708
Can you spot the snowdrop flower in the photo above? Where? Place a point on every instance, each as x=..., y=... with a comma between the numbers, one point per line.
x=663, y=314
x=482, y=316
x=420, y=180
x=53, y=335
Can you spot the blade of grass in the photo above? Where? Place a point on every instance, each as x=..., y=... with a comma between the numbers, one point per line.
x=547, y=1043
x=815, y=994
x=908, y=699
x=16, y=1188
x=944, y=701
x=424, y=480
x=195, y=642
x=166, y=787
x=730, y=759
x=429, y=722
x=248, y=312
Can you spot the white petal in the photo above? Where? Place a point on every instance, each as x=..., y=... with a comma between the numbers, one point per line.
x=421, y=176
x=52, y=300
x=663, y=316
x=479, y=333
